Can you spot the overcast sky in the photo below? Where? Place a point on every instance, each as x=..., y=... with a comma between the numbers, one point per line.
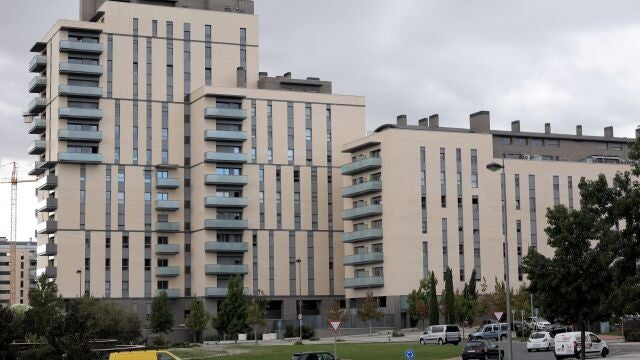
x=564, y=62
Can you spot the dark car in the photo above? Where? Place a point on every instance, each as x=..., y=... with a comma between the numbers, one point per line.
x=482, y=349
x=315, y=355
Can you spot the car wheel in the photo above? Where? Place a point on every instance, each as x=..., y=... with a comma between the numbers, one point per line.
x=502, y=337
x=605, y=352
x=440, y=342
x=528, y=350
x=422, y=341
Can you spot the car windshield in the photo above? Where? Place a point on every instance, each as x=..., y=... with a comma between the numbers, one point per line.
x=536, y=336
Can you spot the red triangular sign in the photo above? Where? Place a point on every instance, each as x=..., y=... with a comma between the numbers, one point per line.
x=334, y=325
x=498, y=315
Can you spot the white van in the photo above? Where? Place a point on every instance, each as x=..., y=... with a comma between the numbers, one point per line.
x=568, y=345
x=441, y=334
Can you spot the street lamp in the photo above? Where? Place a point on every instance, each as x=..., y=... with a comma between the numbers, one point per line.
x=299, y=261
x=494, y=166
x=79, y=272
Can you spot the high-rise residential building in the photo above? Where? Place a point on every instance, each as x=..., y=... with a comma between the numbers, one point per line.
x=442, y=206
x=25, y=268
x=168, y=162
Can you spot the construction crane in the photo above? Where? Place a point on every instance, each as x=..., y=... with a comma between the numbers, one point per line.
x=14, y=220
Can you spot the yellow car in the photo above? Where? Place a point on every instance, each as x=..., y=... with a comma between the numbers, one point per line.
x=143, y=355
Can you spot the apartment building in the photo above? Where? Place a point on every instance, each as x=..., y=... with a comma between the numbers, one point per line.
x=25, y=267
x=419, y=198
x=167, y=162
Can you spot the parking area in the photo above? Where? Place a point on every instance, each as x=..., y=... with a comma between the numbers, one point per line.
x=618, y=351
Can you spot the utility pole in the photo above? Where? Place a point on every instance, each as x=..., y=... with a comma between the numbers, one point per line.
x=299, y=262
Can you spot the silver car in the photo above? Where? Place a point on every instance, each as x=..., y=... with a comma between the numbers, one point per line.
x=441, y=334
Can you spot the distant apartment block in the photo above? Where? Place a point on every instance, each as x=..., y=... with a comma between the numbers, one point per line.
x=25, y=270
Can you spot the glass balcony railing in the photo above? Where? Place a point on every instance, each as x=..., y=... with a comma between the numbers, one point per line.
x=220, y=201
x=367, y=187
x=364, y=282
x=227, y=114
x=362, y=212
x=362, y=235
x=222, y=269
x=223, y=135
x=363, y=165
x=219, y=246
x=365, y=258
x=215, y=179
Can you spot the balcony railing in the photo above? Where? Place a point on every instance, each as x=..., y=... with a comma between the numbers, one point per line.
x=221, y=269
x=79, y=135
x=37, y=147
x=219, y=246
x=47, y=227
x=364, y=282
x=47, y=182
x=226, y=114
x=80, y=46
x=166, y=183
x=37, y=105
x=167, y=271
x=47, y=249
x=365, y=258
x=77, y=90
x=79, y=113
x=171, y=293
x=79, y=157
x=46, y=205
x=363, y=165
x=167, y=226
x=80, y=69
x=167, y=205
x=38, y=126
x=367, y=187
x=219, y=201
x=222, y=224
x=224, y=157
x=221, y=291
x=167, y=249
x=37, y=84
x=222, y=135
x=38, y=63
x=215, y=179
x=37, y=168
x=362, y=235
x=362, y=212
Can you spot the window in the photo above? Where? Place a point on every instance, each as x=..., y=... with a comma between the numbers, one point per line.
x=520, y=141
x=552, y=142
x=535, y=142
x=290, y=155
x=615, y=146
x=125, y=264
x=504, y=140
x=296, y=176
x=162, y=174
x=307, y=134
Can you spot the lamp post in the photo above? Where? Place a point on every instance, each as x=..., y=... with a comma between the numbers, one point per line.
x=299, y=261
x=79, y=272
x=495, y=167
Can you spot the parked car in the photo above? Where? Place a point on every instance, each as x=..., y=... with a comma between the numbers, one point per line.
x=441, y=334
x=568, y=344
x=143, y=355
x=537, y=323
x=481, y=349
x=315, y=355
x=491, y=332
x=541, y=340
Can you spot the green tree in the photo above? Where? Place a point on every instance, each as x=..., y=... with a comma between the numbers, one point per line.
x=46, y=309
x=470, y=288
x=574, y=284
x=197, y=319
x=256, y=313
x=417, y=301
x=337, y=313
x=75, y=332
x=9, y=331
x=434, y=311
x=232, y=315
x=108, y=320
x=368, y=310
x=161, y=314
x=449, y=297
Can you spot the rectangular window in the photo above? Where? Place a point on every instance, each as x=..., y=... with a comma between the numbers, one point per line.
x=556, y=190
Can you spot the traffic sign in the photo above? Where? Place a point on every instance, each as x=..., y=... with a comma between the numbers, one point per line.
x=409, y=354
x=498, y=315
x=299, y=316
x=335, y=325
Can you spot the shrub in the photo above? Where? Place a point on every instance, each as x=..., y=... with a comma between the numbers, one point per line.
x=290, y=331
x=523, y=332
x=397, y=333
x=632, y=335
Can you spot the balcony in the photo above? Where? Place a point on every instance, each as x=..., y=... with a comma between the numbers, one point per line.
x=167, y=249
x=222, y=269
x=80, y=69
x=37, y=168
x=364, y=282
x=163, y=226
x=171, y=293
x=46, y=205
x=362, y=235
x=79, y=135
x=363, y=165
x=47, y=249
x=80, y=47
x=219, y=246
x=49, y=272
x=365, y=258
x=47, y=182
x=38, y=126
x=38, y=63
x=364, y=188
x=221, y=292
x=219, y=201
x=223, y=157
x=167, y=205
x=166, y=183
x=221, y=135
x=47, y=227
x=215, y=179
x=37, y=147
x=226, y=114
x=37, y=84
x=78, y=157
x=361, y=212
x=77, y=90
x=224, y=224
x=79, y=113
x=37, y=105
x=167, y=271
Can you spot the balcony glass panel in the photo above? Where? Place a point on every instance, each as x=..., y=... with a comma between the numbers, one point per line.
x=225, y=224
x=77, y=90
x=363, y=165
x=47, y=249
x=227, y=114
x=79, y=46
x=223, y=135
x=214, y=269
x=219, y=201
x=38, y=126
x=78, y=157
x=364, y=188
x=223, y=157
x=362, y=212
x=167, y=249
x=80, y=69
x=365, y=258
x=167, y=226
x=79, y=113
x=214, y=179
x=79, y=135
x=37, y=63
x=167, y=271
x=171, y=293
x=170, y=205
x=362, y=235
x=167, y=183
x=364, y=282
x=37, y=84
x=219, y=246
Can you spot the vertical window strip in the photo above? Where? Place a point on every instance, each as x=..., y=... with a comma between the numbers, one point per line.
x=461, y=212
x=290, y=134
x=207, y=56
x=423, y=187
x=261, y=185
x=445, y=246
x=293, y=291
x=330, y=196
x=516, y=179
x=443, y=179
x=269, y=132
x=110, y=65
x=425, y=260
x=135, y=131
x=532, y=211
x=254, y=253
x=165, y=133
x=169, y=61
x=116, y=156
x=254, y=146
x=314, y=198
x=121, y=197
x=243, y=48
x=474, y=168
x=125, y=261
x=296, y=205
x=519, y=247
x=271, y=264
x=83, y=194
x=475, y=204
x=503, y=202
x=149, y=133
x=87, y=262
x=556, y=190
x=310, y=264
x=308, y=128
x=187, y=59
x=149, y=68
x=570, y=191
x=107, y=216
x=278, y=197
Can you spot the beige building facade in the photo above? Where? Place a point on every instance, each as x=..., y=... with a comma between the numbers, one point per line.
x=25, y=270
x=419, y=198
x=168, y=162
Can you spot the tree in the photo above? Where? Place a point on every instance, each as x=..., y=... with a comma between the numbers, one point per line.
x=46, y=308
x=108, y=320
x=578, y=272
x=337, y=313
x=256, y=313
x=434, y=311
x=449, y=302
x=368, y=310
x=232, y=315
x=161, y=314
x=9, y=331
x=470, y=288
x=75, y=332
x=197, y=319
x=417, y=301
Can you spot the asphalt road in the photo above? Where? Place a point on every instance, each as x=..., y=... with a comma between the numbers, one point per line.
x=618, y=351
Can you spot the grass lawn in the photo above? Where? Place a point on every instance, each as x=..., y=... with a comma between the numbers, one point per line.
x=377, y=351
